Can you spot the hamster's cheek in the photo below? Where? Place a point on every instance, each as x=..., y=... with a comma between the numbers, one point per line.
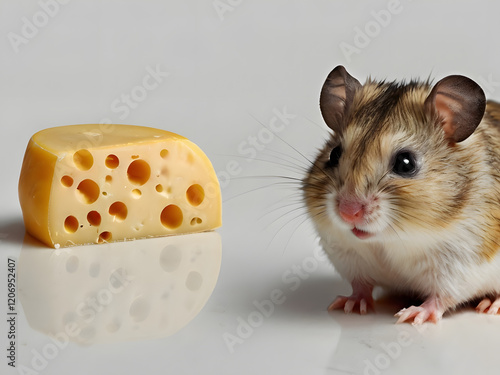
x=331, y=207
x=380, y=220
x=332, y=212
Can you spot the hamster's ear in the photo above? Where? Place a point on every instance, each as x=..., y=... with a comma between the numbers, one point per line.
x=459, y=103
x=336, y=97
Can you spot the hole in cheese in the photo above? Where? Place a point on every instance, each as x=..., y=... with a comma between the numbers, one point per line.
x=170, y=258
x=104, y=237
x=161, y=175
x=87, y=333
x=66, y=181
x=114, y=325
x=196, y=220
x=119, y=211
x=195, y=195
x=139, y=310
x=194, y=281
x=117, y=278
x=69, y=317
x=138, y=172
x=72, y=264
x=71, y=224
x=94, y=269
x=88, y=191
x=83, y=159
x=94, y=218
x=112, y=161
x=171, y=216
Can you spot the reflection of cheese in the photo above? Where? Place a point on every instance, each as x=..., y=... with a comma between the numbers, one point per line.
x=118, y=291
x=85, y=184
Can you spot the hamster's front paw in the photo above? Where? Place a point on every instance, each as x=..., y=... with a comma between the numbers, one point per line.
x=430, y=311
x=488, y=307
x=360, y=300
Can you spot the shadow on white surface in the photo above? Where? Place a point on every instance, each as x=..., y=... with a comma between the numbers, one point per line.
x=121, y=291
x=12, y=231
x=373, y=344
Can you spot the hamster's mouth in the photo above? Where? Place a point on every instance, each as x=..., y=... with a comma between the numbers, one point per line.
x=361, y=234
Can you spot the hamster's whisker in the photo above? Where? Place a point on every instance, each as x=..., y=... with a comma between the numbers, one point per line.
x=292, y=199
x=284, y=184
x=317, y=168
x=315, y=188
x=381, y=178
x=282, y=205
x=302, y=164
x=301, y=169
x=425, y=223
x=283, y=215
x=286, y=143
x=321, y=214
x=294, y=231
x=403, y=244
x=264, y=176
x=302, y=214
x=393, y=221
x=310, y=162
x=327, y=131
x=316, y=181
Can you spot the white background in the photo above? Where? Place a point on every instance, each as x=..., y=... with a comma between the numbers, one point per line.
x=226, y=68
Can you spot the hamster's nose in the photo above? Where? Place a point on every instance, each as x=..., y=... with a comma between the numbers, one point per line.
x=351, y=212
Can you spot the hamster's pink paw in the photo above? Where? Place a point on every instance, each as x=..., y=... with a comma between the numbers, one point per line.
x=488, y=307
x=429, y=311
x=360, y=300
x=352, y=304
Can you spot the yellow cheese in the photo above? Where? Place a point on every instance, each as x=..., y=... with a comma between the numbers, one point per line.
x=83, y=184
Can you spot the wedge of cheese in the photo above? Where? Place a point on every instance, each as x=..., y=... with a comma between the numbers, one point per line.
x=83, y=184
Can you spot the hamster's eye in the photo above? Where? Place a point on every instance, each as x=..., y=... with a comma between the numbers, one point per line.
x=335, y=157
x=405, y=164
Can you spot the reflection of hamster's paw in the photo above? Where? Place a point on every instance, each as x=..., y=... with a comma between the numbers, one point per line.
x=360, y=300
x=429, y=311
x=488, y=307
x=352, y=304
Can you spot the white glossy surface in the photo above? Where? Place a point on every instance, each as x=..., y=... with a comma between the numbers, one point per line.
x=219, y=81
x=122, y=291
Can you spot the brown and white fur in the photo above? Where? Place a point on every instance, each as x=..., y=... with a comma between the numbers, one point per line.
x=432, y=230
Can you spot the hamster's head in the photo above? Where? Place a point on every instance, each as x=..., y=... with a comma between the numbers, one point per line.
x=396, y=164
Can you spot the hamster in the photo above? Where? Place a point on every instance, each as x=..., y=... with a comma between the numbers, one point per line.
x=406, y=193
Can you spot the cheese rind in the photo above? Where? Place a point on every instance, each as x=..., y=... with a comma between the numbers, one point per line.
x=83, y=184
